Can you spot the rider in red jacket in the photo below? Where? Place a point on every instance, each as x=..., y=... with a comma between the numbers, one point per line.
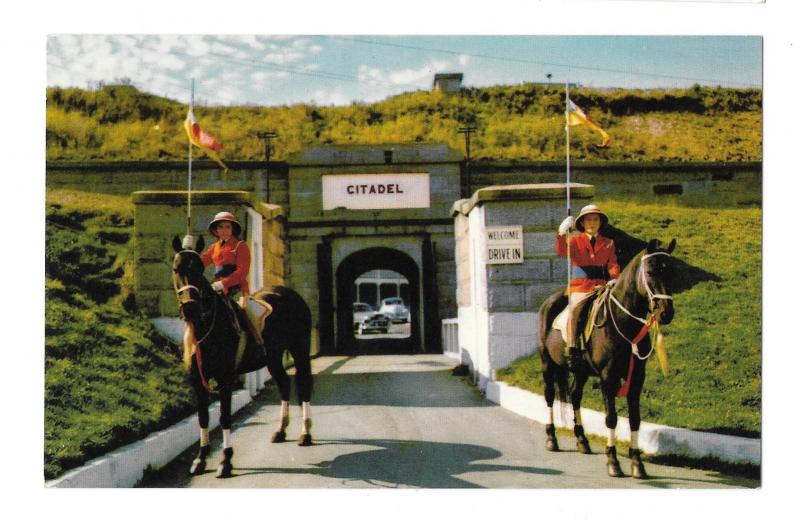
x=593, y=261
x=231, y=259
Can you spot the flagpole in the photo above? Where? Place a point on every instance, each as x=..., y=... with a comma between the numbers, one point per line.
x=189, y=193
x=569, y=213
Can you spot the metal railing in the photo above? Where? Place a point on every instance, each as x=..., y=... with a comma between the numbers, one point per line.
x=450, y=338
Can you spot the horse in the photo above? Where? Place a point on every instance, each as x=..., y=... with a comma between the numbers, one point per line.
x=212, y=350
x=616, y=350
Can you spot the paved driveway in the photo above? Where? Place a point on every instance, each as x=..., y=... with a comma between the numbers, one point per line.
x=406, y=422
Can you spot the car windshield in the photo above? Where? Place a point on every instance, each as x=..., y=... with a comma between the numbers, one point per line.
x=394, y=301
x=361, y=307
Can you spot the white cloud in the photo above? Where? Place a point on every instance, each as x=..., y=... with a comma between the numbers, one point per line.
x=330, y=97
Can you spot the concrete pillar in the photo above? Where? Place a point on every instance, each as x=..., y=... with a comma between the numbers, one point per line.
x=498, y=303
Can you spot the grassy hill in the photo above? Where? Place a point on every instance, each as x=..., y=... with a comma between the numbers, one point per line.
x=714, y=342
x=110, y=379
x=521, y=122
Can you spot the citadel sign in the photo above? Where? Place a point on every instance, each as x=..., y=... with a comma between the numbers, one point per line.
x=376, y=191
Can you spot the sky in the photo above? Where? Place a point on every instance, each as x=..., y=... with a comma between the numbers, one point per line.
x=270, y=70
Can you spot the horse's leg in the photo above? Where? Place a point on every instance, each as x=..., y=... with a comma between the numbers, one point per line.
x=198, y=466
x=577, y=397
x=609, y=395
x=634, y=395
x=278, y=373
x=225, y=466
x=549, y=373
x=302, y=365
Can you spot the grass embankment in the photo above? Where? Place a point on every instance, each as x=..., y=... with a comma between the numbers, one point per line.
x=714, y=342
x=110, y=379
x=514, y=122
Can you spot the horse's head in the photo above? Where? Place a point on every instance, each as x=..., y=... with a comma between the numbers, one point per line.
x=654, y=280
x=187, y=277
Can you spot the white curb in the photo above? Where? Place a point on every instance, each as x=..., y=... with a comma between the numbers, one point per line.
x=653, y=438
x=124, y=467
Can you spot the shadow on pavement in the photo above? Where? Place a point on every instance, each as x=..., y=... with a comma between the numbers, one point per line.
x=393, y=463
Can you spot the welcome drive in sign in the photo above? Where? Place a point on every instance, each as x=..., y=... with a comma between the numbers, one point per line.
x=504, y=245
x=376, y=191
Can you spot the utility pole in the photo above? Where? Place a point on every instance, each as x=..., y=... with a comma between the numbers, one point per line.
x=467, y=130
x=267, y=136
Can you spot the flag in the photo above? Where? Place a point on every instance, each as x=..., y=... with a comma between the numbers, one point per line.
x=576, y=116
x=202, y=139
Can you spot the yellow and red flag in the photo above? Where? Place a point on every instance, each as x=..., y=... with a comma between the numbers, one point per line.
x=202, y=139
x=576, y=116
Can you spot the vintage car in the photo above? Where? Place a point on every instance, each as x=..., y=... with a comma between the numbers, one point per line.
x=395, y=309
x=376, y=323
x=360, y=312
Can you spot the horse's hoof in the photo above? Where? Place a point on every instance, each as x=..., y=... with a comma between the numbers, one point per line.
x=638, y=472
x=224, y=470
x=612, y=464
x=582, y=442
x=198, y=467
x=305, y=440
x=583, y=446
x=637, y=467
x=225, y=466
x=614, y=470
x=278, y=437
x=551, y=443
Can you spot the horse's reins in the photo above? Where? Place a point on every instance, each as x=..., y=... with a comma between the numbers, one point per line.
x=647, y=322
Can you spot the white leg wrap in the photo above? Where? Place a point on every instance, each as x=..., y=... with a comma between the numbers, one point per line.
x=203, y=436
x=306, y=410
x=612, y=437
x=549, y=416
x=578, y=420
x=284, y=408
x=634, y=439
x=226, y=438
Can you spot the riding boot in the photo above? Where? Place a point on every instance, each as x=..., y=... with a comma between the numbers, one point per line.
x=573, y=349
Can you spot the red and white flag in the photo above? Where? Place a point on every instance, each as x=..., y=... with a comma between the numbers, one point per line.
x=202, y=139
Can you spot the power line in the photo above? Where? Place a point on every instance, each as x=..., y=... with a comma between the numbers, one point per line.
x=537, y=62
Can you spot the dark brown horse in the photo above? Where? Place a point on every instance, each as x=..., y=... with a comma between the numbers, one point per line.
x=213, y=352
x=639, y=298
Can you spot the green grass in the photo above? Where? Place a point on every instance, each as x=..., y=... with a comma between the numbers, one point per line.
x=110, y=379
x=514, y=122
x=714, y=342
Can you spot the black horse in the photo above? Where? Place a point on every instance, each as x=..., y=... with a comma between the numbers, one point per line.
x=213, y=352
x=638, y=299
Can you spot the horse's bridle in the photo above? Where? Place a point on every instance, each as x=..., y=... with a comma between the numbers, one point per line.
x=184, y=296
x=651, y=314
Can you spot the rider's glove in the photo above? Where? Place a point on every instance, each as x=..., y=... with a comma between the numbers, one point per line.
x=217, y=285
x=566, y=225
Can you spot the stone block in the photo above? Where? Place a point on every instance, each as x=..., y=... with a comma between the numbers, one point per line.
x=531, y=270
x=527, y=215
x=506, y=298
x=536, y=294
x=539, y=244
x=516, y=324
x=559, y=269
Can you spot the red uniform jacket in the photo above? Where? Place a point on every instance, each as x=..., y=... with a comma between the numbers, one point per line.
x=582, y=255
x=234, y=252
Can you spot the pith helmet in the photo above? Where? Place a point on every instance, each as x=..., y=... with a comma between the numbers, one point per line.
x=225, y=216
x=590, y=209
